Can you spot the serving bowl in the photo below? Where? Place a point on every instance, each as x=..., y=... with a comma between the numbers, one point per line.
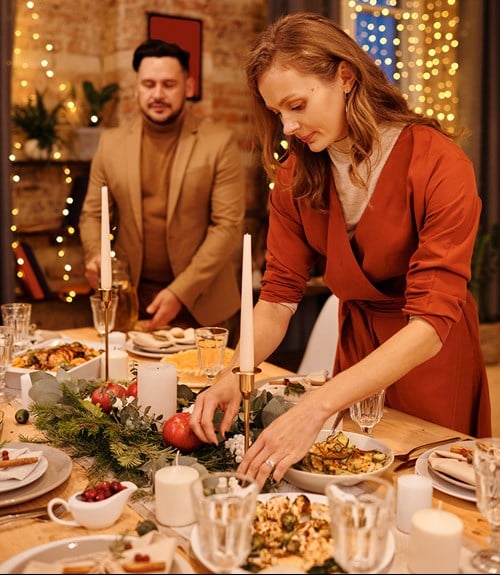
x=317, y=482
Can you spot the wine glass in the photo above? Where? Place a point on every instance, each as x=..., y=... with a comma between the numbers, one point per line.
x=6, y=347
x=211, y=344
x=368, y=411
x=224, y=506
x=486, y=462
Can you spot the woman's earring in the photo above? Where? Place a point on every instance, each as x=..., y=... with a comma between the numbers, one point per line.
x=346, y=94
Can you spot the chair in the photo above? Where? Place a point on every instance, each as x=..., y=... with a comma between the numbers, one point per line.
x=320, y=348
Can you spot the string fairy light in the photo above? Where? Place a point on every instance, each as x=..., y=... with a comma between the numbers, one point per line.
x=28, y=36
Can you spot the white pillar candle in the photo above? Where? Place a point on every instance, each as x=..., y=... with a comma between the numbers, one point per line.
x=246, y=322
x=173, y=502
x=414, y=492
x=105, y=241
x=157, y=387
x=435, y=542
x=117, y=340
x=117, y=365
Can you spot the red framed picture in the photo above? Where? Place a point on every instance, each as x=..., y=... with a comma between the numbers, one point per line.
x=187, y=33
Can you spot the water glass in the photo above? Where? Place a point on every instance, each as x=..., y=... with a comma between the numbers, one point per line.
x=211, y=344
x=99, y=313
x=362, y=518
x=368, y=411
x=486, y=462
x=224, y=505
x=18, y=317
x=6, y=347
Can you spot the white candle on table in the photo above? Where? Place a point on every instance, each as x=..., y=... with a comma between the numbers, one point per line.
x=435, y=542
x=105, y=241
x=246, y=322
x=157, y=387
x=414, y=492
x=173, y=502
x=117, y=365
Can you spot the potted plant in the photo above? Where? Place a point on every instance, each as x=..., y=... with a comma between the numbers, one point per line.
x=88, y=135
x=39, y=125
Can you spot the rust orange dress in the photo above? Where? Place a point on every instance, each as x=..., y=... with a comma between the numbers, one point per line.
x=409, y=256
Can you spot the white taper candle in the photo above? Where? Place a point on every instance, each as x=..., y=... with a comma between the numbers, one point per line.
x=105, y=241
x=246, y=323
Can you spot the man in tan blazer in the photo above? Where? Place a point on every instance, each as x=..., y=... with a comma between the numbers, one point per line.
x=177, y=198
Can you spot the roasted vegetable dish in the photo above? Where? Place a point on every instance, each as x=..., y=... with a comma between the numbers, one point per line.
x=65, y=356
x=338, y=455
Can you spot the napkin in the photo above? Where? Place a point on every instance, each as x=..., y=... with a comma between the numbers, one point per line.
x=162, y=338
x=452, y=464
x=21, y=471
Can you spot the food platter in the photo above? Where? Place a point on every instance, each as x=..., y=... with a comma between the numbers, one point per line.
x=439, y=482
x=282, y=386
x=74, y=547
x=59, y=467
x=316, y=482
x=264, y=497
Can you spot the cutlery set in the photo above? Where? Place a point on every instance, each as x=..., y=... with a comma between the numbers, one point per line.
x=39, y=513
x=407, y=461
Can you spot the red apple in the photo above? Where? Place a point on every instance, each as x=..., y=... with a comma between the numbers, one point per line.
x=177, y=433
x=132, y=389
x=105, y=394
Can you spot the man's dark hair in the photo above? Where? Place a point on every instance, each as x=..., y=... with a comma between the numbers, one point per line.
x=160, y=49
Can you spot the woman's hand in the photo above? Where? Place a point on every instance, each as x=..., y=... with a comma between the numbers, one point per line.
x=225, y=394
x=282, y=443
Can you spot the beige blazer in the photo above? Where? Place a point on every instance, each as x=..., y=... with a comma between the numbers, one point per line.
x=205, y=212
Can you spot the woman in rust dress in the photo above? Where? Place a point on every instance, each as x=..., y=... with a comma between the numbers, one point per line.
x=390, y=203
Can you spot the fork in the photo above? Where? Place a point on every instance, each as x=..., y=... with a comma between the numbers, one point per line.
x=406, y=456
x=40, y=514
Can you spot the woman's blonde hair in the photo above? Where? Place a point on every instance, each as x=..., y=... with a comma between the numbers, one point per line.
x=313, y=44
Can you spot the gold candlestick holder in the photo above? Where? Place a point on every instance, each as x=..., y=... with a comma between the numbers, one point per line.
x=106, y=297
x=247, y=384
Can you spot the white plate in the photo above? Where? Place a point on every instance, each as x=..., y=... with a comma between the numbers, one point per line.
x=315, y=498
x=59, y=469
x=316, y=482
x=451, y=480
x=39, y=469
x=278, y=389
x=158, y=354
x=443, y=485
x=75, y=547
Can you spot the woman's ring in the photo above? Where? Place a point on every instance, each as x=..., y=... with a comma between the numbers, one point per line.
x=271, y=463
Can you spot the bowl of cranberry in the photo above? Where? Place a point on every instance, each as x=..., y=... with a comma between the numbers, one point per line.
x=96, y=507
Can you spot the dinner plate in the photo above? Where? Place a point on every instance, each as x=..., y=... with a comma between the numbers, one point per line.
x=59, y=467
x=277, y=386
x=155, y=353
x=76, y=547
x=451, y=480
x=39, y=469
x=316, y=482
x=315, y=498
x=439, y=483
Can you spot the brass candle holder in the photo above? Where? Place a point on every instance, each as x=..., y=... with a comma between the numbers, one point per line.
x=247, y=384
x=106, y=298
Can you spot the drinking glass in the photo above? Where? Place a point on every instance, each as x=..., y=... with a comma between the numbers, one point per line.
x=211, y=345
x=368, y=411
x=6, y=347
x=99, y=310
x=18, y=317
x=224, y=506
x=486, y=462
x=362, y=518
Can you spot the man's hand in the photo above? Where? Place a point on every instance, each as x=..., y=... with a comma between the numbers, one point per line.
x=92, y=272
x=164, y=308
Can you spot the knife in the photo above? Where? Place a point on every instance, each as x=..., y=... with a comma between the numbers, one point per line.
x=28, y=514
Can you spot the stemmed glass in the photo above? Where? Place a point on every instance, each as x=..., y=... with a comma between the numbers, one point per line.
x=211, y=344
x=6, y=347
x=486, y=462
x=224, y=505
x=368, y=411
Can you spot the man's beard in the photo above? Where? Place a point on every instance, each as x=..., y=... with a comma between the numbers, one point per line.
x=170, y=120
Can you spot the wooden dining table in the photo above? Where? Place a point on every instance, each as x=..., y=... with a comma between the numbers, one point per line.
x=396, y=429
